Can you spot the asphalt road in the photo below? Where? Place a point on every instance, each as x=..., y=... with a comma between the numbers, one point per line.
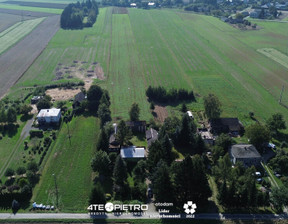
x=78, y=216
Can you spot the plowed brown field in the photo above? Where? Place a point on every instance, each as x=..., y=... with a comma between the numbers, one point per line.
x=15, y=61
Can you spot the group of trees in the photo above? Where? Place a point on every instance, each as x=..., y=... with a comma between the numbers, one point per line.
x=112, y=166
x=237, y=186
x=181, y=181
x=161, y=95
x=73, y=15
x=19, y=184
x=183, y=133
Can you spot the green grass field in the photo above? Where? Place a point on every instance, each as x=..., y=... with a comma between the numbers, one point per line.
x=9, y=146
x=174, y=49
x=71, y=166
x=33, y=9
x=13, y=34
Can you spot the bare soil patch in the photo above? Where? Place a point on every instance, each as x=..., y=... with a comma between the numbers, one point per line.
x=14, y=62
x=62, y=94
x=161, y=113
x=78, y=69
x=34, y=109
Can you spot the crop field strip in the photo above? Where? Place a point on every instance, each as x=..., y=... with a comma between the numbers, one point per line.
x=37, y=4
x=25, y=14
x=16, y=32
x=15, y=61
x=8, y=20
x=30, y=8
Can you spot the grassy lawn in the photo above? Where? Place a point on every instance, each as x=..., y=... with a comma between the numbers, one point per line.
x=16, y=32
x=71, y=166
x=10, y=146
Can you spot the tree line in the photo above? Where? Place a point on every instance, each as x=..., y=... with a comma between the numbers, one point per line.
x=161, y=95
x=73, y=15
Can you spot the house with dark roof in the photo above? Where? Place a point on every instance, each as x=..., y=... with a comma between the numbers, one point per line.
x=79, y=97
x=245, y=153
x=226, y=125
x=137, y=126
x=151, y=136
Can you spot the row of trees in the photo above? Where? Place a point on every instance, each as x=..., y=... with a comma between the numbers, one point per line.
x=161, y=95
x=73, y=15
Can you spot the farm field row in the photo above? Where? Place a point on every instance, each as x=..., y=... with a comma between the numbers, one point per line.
x=17, y=60
x=71, y=165
x=173, y=49
x=16, y=32
x=8, y=20
x=32, y=9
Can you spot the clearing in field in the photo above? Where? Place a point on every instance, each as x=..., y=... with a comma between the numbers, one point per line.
x=81, y=70
x=16, y=32
x=275, y=55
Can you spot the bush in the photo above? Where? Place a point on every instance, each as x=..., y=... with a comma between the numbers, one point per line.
x=36, y=133
x=21, y=170
x=9, y=172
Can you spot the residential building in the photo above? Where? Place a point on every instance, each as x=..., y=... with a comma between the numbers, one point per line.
x=245, y=153
x=47, y=116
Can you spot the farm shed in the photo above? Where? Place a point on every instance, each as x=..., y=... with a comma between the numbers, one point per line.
x=47, y=116
x=245, y=153
x=79, y=97
x=226, y=125
x=151, y=136
x=132, y=153
x=136, y=126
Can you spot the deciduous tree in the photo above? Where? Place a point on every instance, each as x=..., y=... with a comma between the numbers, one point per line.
x=258, y=135
x=212, y=106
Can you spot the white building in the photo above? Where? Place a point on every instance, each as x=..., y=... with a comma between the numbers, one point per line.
x=52, y=115
x=132, y=152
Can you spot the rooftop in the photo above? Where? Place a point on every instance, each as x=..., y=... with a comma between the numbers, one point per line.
x=53, y=112
x=132, y=152
x=244, y=151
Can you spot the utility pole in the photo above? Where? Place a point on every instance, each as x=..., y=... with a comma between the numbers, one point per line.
x=281, y=94
x=56, y=189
